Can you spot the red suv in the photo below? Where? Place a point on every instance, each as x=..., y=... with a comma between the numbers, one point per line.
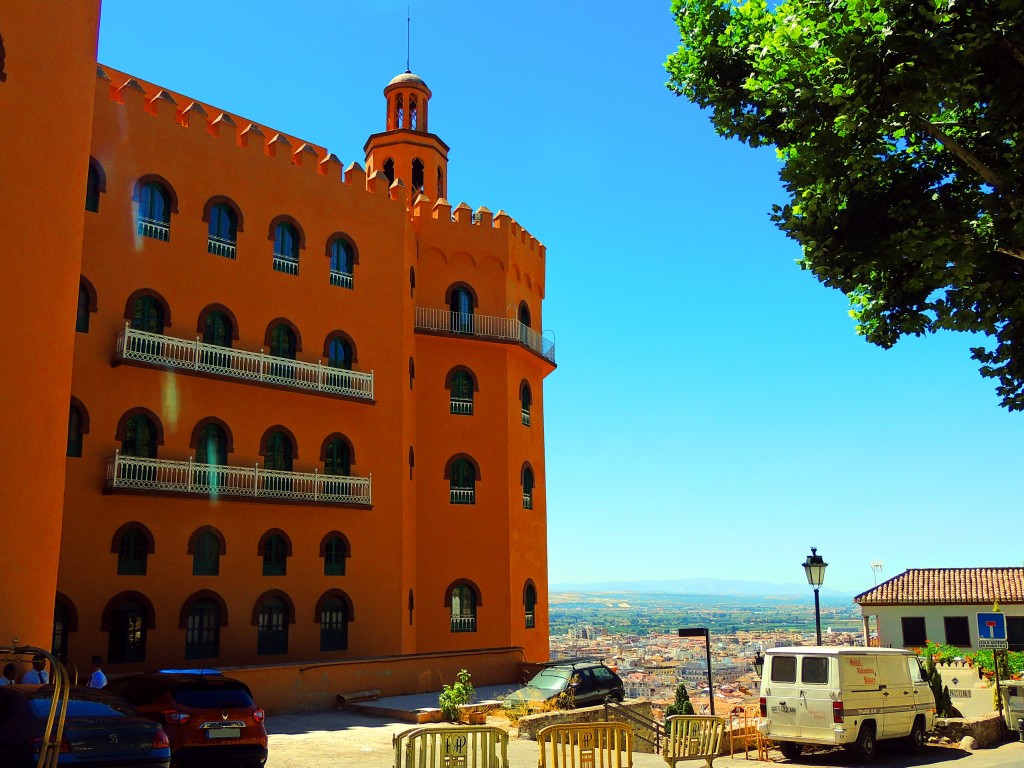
x=210, y=719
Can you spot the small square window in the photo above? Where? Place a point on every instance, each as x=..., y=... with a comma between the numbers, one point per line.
x=913, y=631
x=958, y=630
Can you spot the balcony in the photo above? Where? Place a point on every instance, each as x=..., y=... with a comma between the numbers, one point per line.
x=526, y=417
x=131, y=473
x=443, y=321
x=218, y=246
x=531, y=620
x=527, y=501
x=341, y=279
x=460, y=406
x=462, y=496
x=287, y=264
x=158, y=230
x=251, y=367
x=463, y=623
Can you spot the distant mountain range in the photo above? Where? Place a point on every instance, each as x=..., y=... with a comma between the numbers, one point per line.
x=724, y=587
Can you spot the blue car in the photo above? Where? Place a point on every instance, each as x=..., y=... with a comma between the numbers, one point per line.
x=100, y=729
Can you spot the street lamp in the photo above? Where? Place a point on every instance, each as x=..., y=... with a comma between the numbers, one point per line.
x=758, y=663
x=814, y=567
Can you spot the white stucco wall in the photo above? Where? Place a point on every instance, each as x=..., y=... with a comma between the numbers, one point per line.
x=890, y=628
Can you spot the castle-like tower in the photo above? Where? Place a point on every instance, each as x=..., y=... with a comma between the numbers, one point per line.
x=306, y=406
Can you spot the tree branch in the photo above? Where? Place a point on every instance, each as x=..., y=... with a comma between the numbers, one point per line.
x=1016, y=253
x=1013, y=49
x=990, y=176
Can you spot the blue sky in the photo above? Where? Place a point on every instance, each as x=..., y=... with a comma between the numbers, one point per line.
x=713, y=413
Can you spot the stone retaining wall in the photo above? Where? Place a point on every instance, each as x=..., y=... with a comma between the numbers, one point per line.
x=986, y=730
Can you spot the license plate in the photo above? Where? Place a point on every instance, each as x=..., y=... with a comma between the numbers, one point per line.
x=223, y=733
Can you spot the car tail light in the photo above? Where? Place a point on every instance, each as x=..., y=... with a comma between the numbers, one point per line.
x=259, y=715
x=764, y=707
x=175, y=716
x=838, y=712
x=160, y=740
x=37, y=744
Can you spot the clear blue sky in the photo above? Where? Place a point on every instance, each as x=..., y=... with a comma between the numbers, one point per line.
x=713, y=413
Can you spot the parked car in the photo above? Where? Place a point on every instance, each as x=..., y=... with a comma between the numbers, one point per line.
x=210, y=719
x=99, y=729
x=581, y=684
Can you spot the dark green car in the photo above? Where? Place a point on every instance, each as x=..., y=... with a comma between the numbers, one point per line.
x=567, y=686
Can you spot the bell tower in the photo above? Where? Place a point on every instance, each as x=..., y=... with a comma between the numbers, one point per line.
x=406, y=149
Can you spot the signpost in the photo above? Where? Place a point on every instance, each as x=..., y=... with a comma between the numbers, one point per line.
x=703, y=632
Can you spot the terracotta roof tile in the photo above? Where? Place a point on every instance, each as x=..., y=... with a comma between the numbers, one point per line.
x=945, y=586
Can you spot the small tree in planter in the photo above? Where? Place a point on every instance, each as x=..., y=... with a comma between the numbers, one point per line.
x=455, y=696
x=682, y=705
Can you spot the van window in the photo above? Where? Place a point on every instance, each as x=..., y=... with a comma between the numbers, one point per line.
x=916, y=672
x=783, y=669
x=814, y=669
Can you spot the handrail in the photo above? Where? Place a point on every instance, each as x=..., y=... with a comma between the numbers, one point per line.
x=53, y=733
x=484, y=327
x=190, y=477
x=615, y=709
x=251, y=367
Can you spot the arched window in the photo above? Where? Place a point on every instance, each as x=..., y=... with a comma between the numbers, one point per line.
x=389, y=164
x=155, y=211
x=334, y=615
x=148, y=314
x=527, y=487
x=524, y=323
x=399, y=113
x=461, y=385
x=140, y=437
x=75, y=430
x=93, y=186
x=338, y=457
x=460, y=303
x=525, y=402
x=132, y=553
x=413, y=114
x=440, y=184
x=530, y=604
x=417, y=174
x=286, y=248
x=463, y=603
x=272, y=627
x=462, y=477
x=127, y=624
x=84, y=304
x=339, y=353
x=217, y=329
x=284, y=344
x=65, y=620
x=279, y=452
x=206, y=555
x=275, y=555
x=202, y=630
x=335, y=553
x=222, y=235
x=212, y=445
x=342, y=261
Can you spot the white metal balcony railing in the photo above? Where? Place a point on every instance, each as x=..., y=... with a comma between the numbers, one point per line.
x=218, y=246
x=462, y=496
x=158, y=230
x=485, y=327
x=527, y=501
x=463, y=623
x=287, y=264
x=341, y=279
x=526, y=417
x=531, y=621
x=134, y=473
x=251, y=367
x=461, y=406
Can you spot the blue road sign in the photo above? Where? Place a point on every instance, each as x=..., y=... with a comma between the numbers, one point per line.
x=992, y=626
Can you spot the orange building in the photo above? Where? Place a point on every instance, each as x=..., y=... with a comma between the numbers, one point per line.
x=305, y=402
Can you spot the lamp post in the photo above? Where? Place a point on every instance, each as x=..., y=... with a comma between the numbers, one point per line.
x=814, y=567
x=758, y=663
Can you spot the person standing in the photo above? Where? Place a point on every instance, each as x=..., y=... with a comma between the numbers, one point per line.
x=97, y=679
x=10, y=671
x=38, y=674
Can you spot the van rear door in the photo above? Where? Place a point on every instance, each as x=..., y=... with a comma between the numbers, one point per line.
x=782, y=695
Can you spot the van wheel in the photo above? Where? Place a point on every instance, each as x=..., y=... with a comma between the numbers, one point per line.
x=916, y=739
x=865, y=745
x=790, y=749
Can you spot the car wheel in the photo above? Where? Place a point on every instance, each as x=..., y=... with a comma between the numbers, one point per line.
x=790, y=749
x=916, y=740
x=866, y=745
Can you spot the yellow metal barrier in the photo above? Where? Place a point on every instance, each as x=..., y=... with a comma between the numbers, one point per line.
x=742, y=725
x=693, y=737
x=455, y=746
x=586, y=745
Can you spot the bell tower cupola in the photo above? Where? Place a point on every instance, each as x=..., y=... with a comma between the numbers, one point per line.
x=406, y=149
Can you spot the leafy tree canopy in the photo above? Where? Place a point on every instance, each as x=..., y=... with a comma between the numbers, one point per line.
x=898, y=124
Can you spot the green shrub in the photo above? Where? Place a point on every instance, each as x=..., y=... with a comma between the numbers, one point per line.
x=682, y=704
x=454, y=696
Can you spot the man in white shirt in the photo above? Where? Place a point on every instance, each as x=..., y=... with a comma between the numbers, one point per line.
x=97, y=679
x=36, y=675
x=9, y=674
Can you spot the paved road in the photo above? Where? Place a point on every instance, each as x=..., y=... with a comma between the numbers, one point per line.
x=343, y=739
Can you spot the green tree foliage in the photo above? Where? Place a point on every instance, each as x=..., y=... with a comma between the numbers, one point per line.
x=682, y=705
x=455, y=696
x=899, y=125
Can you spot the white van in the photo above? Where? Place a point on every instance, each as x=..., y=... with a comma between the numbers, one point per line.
x=844, y=696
